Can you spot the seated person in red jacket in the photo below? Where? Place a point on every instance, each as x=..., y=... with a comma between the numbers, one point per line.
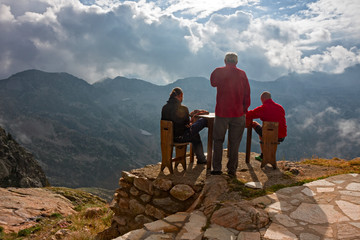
x=268, y=111
x=184, y=130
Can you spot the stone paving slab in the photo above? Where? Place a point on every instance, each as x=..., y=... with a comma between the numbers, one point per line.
x=325, y=209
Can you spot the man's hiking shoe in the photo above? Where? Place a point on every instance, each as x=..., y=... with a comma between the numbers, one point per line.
x=259, y=158
x=216, y=172
x=201, y=161
x=232, y=174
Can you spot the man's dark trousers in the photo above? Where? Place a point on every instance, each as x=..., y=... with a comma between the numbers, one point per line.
x=236, y=128
x=192, y=135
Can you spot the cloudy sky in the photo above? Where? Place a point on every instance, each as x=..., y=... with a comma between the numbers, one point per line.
x=163, y=40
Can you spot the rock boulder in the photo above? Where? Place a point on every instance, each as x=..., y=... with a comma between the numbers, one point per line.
x=21, y=207
x=18, y=168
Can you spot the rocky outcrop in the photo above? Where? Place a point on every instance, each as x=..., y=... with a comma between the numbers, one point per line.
x=230, y=211
x=162, y=203
x=18, y=168
x=20, y=208
x=240, y=216
x=215, y=214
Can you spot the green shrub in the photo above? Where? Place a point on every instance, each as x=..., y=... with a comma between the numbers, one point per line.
x=28, y=231
x=1, y=232
x=56, y=215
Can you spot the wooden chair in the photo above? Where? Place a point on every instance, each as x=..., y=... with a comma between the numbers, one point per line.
x=269, y=143
x=167, y=144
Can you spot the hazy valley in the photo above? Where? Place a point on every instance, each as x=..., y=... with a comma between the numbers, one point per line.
x=85, y=135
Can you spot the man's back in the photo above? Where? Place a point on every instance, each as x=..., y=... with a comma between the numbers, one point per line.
x=233, y=91
x=272, y=112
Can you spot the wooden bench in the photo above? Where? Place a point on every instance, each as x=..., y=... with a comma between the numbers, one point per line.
x=167, y=145
x=269, y=142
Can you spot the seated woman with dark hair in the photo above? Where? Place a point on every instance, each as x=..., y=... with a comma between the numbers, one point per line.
x=184, y=131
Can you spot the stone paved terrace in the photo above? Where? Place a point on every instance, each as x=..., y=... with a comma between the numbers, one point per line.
x=326, y=209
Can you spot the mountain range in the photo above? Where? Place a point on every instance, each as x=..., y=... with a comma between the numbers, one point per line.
x=84, y=135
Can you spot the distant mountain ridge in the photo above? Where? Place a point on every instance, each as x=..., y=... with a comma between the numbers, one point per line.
x=78, y=142
x=85, y=135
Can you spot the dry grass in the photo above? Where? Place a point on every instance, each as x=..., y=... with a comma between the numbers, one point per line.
x=77, y=227
x=344, y=166
x=327, y=168
x=87, y=228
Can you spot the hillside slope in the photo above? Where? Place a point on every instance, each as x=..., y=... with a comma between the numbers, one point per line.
x=18, y=168
x=78, y=142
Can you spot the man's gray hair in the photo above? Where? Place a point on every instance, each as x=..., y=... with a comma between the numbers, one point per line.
x=231, y=57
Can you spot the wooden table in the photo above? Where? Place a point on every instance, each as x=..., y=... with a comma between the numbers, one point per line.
x=211, y=118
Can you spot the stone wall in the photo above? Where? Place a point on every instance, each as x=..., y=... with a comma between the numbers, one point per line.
x=141, y=200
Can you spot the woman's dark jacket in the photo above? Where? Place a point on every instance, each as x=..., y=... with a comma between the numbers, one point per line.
x=174, y=111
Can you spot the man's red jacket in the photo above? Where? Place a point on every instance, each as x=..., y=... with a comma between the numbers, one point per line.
x=272, y=112
x=233, y=91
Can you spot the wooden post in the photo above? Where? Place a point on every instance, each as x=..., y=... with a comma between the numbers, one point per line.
x=248, y=144
x=210, y=142
x=180, y=155
x=191, y=153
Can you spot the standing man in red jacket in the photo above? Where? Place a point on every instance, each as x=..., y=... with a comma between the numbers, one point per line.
x=268, y=111
x=232, y=102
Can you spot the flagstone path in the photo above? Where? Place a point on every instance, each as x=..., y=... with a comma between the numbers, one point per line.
x=326, y=209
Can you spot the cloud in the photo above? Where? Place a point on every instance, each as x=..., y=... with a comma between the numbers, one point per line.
x=161, y=41
x=22, y=6
x=5, y=14
x=334, y=60
x=93, y=44
x=2, y=121
x=337, y=16
x=345, y=133
x=204, y=8
x=311, y=118
x=349, y=129
x=319, y=124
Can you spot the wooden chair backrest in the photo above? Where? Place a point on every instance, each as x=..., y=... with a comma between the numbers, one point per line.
x=167, y=134
x=270, y=132
x=269, y=143
x=167, y=144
